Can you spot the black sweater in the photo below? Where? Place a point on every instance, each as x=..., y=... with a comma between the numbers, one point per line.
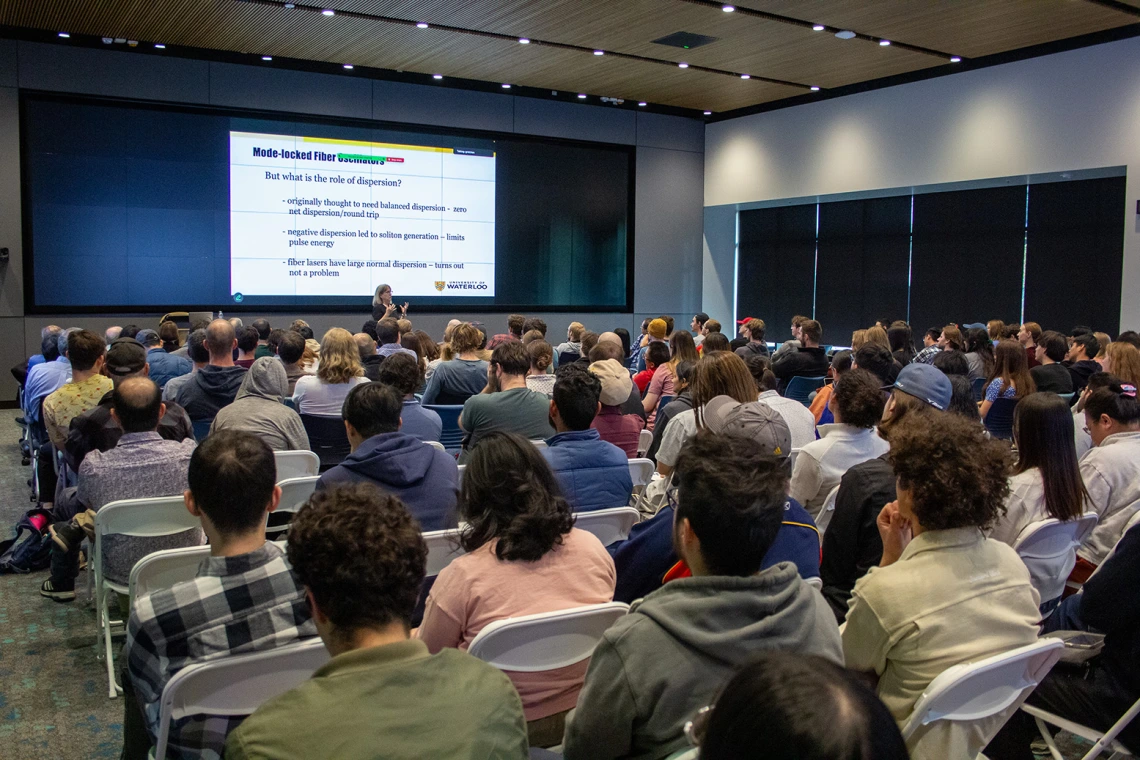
x=1110, y=603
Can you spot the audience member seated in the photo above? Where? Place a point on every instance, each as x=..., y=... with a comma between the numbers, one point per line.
x=979, y=354
x=572, y=347
x=589, y=340
x=808, y=361
x=1122, y=360
x=592, y=473
x=952, y=362
x=1051, y=375
x=878, y=360
x=951, y=339
x=943, y=593
x=697, y=326
x=538, y=377
x=841, y=361
x=403, y=373
x=339, y=372
x=97, y=430
x=535, y=323
x=360, y=557
x=259, y=409
x=718, y=374
x=1079, y=359
x=88, y=385
x=664, y=380
x=164, y=365
x=930, y=347
x=388, y=339
x=263, y=343
x=458, y=379
x=655, y=356
x=49, y=345
x=755, y=334
x=803, y=707
x=524, y=556
x=143, y=464
x=291, y=351
x=198, y=356
x=216, y=384
x=509, y=406
x=1010, y=378
x=231, y=479
x=247, y=342
x=425, y=478
x=857, y=406
x=654, y=668
x=611, y=422
x=656, y=331
x=714, y=342
x=168, y=334
x=647, y=559
x=798, y=418
x=1028, y=335
x=681, y=402
x=851, y=543
x=902, y=342
x=49, y=376
x=369, y=360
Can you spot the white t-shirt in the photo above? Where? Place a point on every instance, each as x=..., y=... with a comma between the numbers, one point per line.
x=1024, y=505
x=313, y=395
x=677, y=433
x=799, y=419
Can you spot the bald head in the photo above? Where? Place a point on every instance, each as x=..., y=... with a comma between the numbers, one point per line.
x=136, y=404
x=220, y=341
x=366, y=345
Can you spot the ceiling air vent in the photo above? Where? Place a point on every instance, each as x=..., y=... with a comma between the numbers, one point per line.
x=686, y=40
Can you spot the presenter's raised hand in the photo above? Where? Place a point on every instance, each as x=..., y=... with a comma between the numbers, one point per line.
x=404, y=309
x=389, y=310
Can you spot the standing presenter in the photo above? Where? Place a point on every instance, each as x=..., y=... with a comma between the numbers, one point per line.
x=382, y=306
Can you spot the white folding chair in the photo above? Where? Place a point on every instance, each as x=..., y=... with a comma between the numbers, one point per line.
x=443, y=546
x=792, y=458
x=462, y=468
x=609, y=525
x=538, y=443
x=165, y=568
x=826, y=512
x=644, y=441
x=1101, y=742
x=972, y=691
x=295, y=492
x=546, y=641
x=138, y=518
x=641, y=472
x=1049, y=550
x=437, y=445
x=235, y=685
x=296, y=464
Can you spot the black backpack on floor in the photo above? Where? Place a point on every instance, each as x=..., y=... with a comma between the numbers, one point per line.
x=30, y=549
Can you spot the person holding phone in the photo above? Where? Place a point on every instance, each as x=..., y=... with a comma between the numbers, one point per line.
x=382, y=306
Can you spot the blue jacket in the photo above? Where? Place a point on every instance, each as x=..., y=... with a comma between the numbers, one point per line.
x=425, y=478
x=643, y=559
x=594, y=474
x=165, y=367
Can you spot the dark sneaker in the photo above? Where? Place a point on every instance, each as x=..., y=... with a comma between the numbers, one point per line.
x=49, y=590
x=67, y=536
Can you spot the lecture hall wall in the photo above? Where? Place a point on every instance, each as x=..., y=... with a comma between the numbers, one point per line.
x=1063, y=112
x=669, y=166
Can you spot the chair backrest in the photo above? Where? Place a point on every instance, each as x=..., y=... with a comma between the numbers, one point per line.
x=972, y=691
x=826, y=512
x=644, y=441
x=436, y=445
x=1049, y=550
x=792, y=455
x=443, y=546
x=546, y=641
x=296, y=491
x=978, y=386
x=661, y=402
x=289, y=402
x=236, y=685
x=451, y=435
x=1068, y=397
x=462, y=468
x=641, y=471
x=201, y=429
x=568, y=357
x=163, y=569
x=328, y=438
x=609, y=525
x=296, y=464
x=999, y=419
x=538, y=443
x=800, y=388
x=141, y=518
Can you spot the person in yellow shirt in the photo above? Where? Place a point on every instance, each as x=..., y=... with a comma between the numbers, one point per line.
x=85, y=351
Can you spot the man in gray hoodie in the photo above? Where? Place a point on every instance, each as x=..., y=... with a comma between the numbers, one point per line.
x=656, y=667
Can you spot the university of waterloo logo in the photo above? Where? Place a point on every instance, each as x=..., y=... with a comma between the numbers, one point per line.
x=440, y=285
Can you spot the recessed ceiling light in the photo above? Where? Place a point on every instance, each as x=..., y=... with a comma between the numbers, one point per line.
x=348, y=65
x=818, y=28
x=160, y=46
x=599, y=52
x=643, y=103
x=421, y=25
x=846, y=34
x=506, y=86
x=884, y=43
x=955, y=59
x=289, y=6
x=524, y=41
x=728, y=8
x=437, y=76
x=708, y=113
x=683, y=65
x=132, y=43
x=581, y=96
x=107, y=40
x=267, y=58
x=815, y=88
x=65, y=35
x=745, y=76
x=328, y=12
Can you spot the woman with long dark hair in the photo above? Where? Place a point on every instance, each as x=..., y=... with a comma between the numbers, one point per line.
x=524, y=556
x=1010, y=377
x=979, y=353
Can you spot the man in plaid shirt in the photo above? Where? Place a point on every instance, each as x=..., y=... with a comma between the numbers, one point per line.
x=244, y=599
x=930, y=348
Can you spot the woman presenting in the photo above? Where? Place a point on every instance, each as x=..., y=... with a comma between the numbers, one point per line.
x=382, y=306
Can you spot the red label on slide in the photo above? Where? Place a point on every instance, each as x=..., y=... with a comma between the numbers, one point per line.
x=393, y=160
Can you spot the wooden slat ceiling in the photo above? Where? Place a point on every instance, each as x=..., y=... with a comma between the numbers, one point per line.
x=792, y=54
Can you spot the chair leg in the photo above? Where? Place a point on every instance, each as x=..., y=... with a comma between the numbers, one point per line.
x=1047, y=737
x=1110, y=735
x=105, y=641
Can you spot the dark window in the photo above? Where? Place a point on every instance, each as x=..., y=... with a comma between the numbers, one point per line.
x=776, y=273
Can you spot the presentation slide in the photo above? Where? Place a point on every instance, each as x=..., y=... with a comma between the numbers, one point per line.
x=315, y=216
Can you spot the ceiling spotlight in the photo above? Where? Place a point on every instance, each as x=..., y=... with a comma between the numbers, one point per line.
x=683, y=65
x=581, y=96
x=437, y=76
x=955, y=59
x=846, y=34
x=348, y=66
x=160, y=46
x=599, y=52
x=815, y=88
x=506, y=86
x=107, y=40
x=289, y=6
x=421, y=25
x=328, y=12
x=524, y=41
x=818, y=28
x=745, y=76
x=643, y=103
x=267, y=58
x=65, y=35
x=120, y=40
x=132, y=43
x=884, y=43
x=708, y=113
x=728, y=8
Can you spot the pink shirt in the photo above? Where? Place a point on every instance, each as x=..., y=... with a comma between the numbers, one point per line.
x=478, y=588
x=662, y=385
x=622, y=430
